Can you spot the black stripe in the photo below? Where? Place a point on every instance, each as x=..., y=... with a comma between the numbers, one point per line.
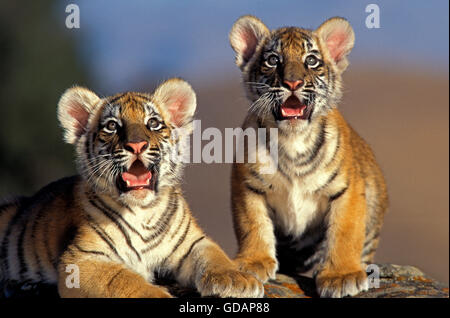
x=299, y=155
x=336, y=149
x=330, y=179
x=91, y=161
x=369, y=240
x=318, y=143
x=182, y=238
x=33, y=237
x=373, y=249
x=115, y=99
x=4, y=251
x=180, y=225
x=338, y=194
x=254, y=174
x=79, y=248
x=143, y=97
x=108, y=210
x=152, y=204
x=102, y=140
x=185, y=256
x=5, y=206
x=103, y=235
x=53, y=260
x=163, y=217
x=162, y=231
x=21, y=252
x=129, y=209
x=321, y=83
x=118, y=225
x=312, y=168
x=308, y=40
x=254, y=190
x=272, y=209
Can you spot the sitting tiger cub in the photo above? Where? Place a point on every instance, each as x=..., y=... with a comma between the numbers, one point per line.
x=124, y=219
x=323, y=206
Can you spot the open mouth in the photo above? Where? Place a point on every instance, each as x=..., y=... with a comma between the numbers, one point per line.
x=137, y=177
x=293, y=108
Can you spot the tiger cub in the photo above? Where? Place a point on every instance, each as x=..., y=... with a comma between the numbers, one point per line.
x=123, y=219
x=323, y=206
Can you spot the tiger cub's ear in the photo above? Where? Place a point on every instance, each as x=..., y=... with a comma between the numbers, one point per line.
x=337, y=36
x=245, y=35
x=178, y=101
x=74, y=108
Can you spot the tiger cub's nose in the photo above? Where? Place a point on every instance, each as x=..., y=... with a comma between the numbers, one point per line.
x=293, y=85
x=136, y=147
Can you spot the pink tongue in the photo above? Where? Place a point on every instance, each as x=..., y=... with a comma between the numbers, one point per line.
x=137, y=181
x=292, y=112
x=137, y=176
x=292, y=107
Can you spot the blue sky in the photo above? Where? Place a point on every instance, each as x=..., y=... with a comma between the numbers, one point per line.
x=123, y=42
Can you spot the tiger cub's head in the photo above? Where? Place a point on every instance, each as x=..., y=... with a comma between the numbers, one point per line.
x=125, y=143
x=291, y=75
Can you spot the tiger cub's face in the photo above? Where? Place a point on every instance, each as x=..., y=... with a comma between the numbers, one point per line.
x=291, y=75
x=125, y=143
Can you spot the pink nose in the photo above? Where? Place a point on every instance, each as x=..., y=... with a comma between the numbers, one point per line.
x=293, y=85
x=136, y=147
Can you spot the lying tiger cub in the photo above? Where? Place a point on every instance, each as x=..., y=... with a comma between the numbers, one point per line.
x=123, y=219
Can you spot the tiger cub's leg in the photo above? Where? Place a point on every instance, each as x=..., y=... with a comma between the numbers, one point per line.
x=254, y=230
x=341, y=272
x=213, y=273
x=101, y=279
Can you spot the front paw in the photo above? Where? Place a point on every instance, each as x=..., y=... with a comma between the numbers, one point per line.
x=339, y=285
x=230, y=283
x=263, y=268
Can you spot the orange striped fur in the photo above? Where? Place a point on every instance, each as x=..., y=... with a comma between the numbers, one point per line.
x=118, y=232
x=323, y=208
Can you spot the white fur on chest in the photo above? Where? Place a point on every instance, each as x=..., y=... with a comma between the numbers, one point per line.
x=297, y=204
x=295, y=208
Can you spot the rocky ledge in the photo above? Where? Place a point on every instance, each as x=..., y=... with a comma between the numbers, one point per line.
x=395, y=281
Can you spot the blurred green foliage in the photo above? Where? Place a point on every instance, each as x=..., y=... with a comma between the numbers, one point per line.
x=38, y=61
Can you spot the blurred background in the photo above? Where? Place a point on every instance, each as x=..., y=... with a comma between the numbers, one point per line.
x=396, y=96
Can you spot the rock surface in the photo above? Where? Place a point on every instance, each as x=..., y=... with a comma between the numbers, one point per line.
x=395, y=281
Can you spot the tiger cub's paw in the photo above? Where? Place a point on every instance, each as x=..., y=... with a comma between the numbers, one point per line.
x=230, y=283
x=263, y=268
x=340, y=285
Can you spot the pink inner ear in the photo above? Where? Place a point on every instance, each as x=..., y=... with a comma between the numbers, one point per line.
x=336, y=44
x=249, y=43
x=177, y=109
x=80, y=116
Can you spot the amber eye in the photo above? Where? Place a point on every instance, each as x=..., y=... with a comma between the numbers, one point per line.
x=111, y=126
x=272, y=60
x=154, y=124
x=311, y=60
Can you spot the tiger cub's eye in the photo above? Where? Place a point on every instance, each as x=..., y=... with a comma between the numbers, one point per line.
x=272, y=60
x=153, y=124
x=311, y=60
x=111, y=126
